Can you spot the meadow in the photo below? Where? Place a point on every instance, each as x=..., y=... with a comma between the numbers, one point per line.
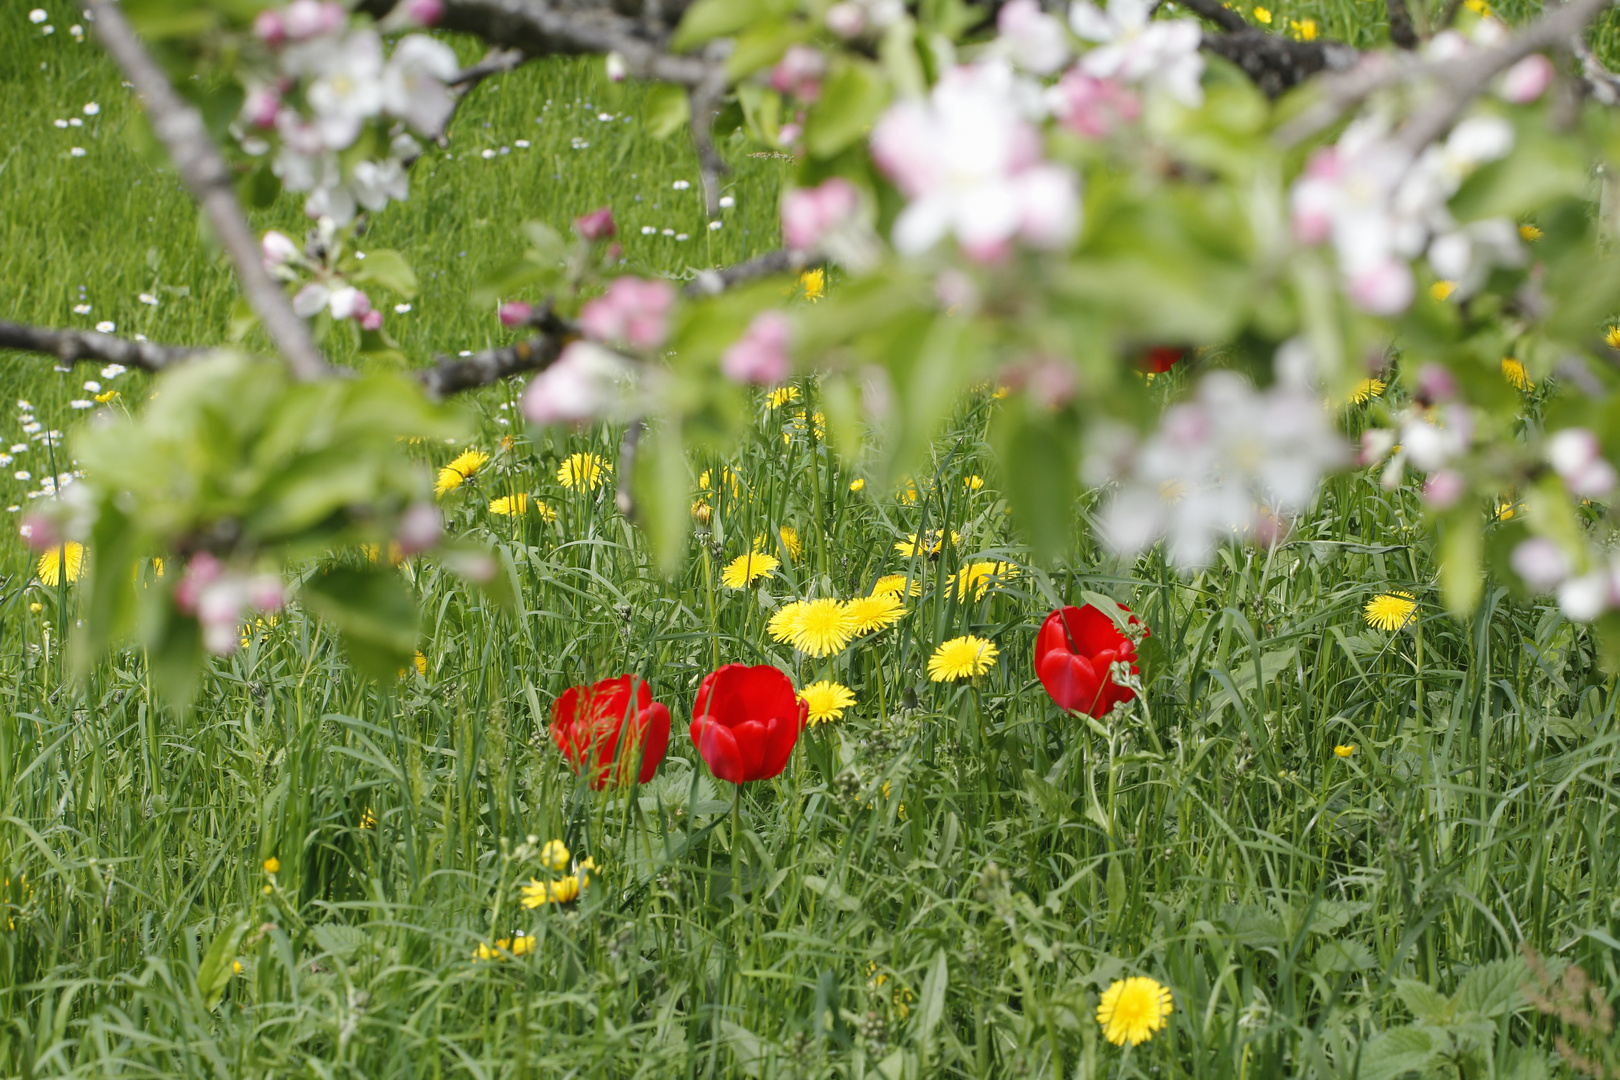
x=1332, y=831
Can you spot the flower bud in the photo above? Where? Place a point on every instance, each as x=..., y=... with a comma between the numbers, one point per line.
x=1527, y=80
x=372, y=320
x=846, y=20
x=760, y=355
x=616, y=69
x=515, y=313
x=277, y=248
x=424, y=12
x=269, y=28
x=1443, y=489
x=1541, y=563
x=419, y=528
x=596, y=225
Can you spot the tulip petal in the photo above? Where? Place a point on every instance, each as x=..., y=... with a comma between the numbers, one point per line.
x=654, y=723
x=1070, y=680
x=782, y=734
x=718, y=747
x=751, y=736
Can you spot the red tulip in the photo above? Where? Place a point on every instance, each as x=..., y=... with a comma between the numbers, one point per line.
x=1161, y=358
x=1073, y=653
x=588, y=724
x=746, y=720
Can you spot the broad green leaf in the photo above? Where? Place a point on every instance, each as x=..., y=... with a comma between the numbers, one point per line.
x=1493, y=988
x=387, y=268
x=660, y=484
x=111, y=586
x=1461, y=546
x=1395, y=1053
x=851, y=99
x=515, y=276
x=931, y=1006
x=374, y=610
x=174, y=652
x=763, y=44
x=709, y=19
x=1425, y=1002
x=664, y=110
x=1040, y=477
x=215, y=971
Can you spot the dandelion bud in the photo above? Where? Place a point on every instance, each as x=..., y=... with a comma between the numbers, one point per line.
x=596, y=225
x=515, y=313
x=277, y=249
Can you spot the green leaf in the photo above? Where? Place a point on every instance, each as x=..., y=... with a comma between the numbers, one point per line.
x=174, y=652
x=387, y=268
x=214, y=974
x=1395, y=1053
x=1461, y=548
x=665, y=109
x=763, y=44
x=931, y=1006
x=513, y=277
x=261, y=187
x=1039, y=476
x=1493, y=989
x=376, y=613
x=660, y=484
x=853, y=96
x=1425, y=1002
x=709, y=19
x=111, y=587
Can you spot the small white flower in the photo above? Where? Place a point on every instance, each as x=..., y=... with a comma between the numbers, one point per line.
x=22, y=474
x=714, y=226
x=92, y=386
x=47, y=29
x=37, y=16
x=77, y=151
x=77, y=31
x=106, y=326
x=487, y=154
x=669, y=232
x=680, y=236
x=727, y=202
x=6, y=459
x=604, y=117
x=148, y=299
x=81, y=403
x=522, y=144
x=81, y=309
x=60, y=123
x=112, y=371
x=92, y=109
x=681, y=185
x=74, y=121
x=648, y=230
x=401, y=309
x=18, y=448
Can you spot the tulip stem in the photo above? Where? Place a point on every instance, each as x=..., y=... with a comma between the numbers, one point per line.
x=736, y=838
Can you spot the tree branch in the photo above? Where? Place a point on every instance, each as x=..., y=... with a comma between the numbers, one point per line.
x=80, y=346
x=1401, y=30
x=1277, y=64
x=207, y=176
x=711, y=282
x=452, y=375
x=1219, y=14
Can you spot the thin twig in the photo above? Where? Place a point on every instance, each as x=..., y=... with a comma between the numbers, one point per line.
x=207, y=176
x=70, y=347
x=711, y=282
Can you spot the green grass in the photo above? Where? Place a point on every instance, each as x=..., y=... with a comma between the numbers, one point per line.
x=940, y=886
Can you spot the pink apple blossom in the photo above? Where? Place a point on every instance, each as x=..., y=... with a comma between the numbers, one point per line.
x=1090, y=106
x=810, y=213
x=634, y=311
x=799, y=73
x=586, y=383
x=1527, y=80
x=760, y=356
x=420, y=527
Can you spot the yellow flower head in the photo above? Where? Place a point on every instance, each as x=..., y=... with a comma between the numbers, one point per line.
x=732, y=485
x=800, y=425
x=1132, y=1009
x=1514, y=372
x=790, y=542
x=826, y=700
x=702, y=512
x=106, y=396
x=858, y=484
x=1390, y=611
x=973, y=483
x=744, y=570
x=781, y=396
x=875, y=612
x=908, y=492
x=896, y=584
x=1530, y=234
x=931, y=543
x=978, y=576
x=1505, y=510
x=520, y=944
x=1345, y=751
x=822, y=627
x=510, y=505
x=1303, y=29
x=555, y=855
x=272, y=865
x=1612, y=337
x=961, y=658
x=814, y=284
x=460, y=471
x=1262, y=16
x=785, y=623
x=421, y=665
x=1478, y=7
x=368, y=820
x=1442, y=289
x=561, y=891
x=50, y=563
x=584, y=471
x=1366, y=390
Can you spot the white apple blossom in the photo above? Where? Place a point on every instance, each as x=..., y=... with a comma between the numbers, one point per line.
x=1132, y=48
x=348, y=90
x=414, y=83
x=1030, y=38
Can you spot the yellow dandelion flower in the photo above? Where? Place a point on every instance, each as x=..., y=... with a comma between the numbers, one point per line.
x=368, y=820
x=702, y=512
x=822, y=628
x=732, y=484
x=50, y=563
x=555, y=855
x=584, y=471
x=421, y=665
x=1131, y=1010
x=36, y=607
x=1390, y=611
x=962, y=657
x=931, y=543
x=973, y=483
x=978, y=577
x=272, y=865
x=790, y=542
x=744, y=570
x=826, y=700
x=1514, y=372
x=561, y=891
x=1345, y=751
x=1612, y=337
x=857, y=484
x=875, y=612
x=1262, y=16
x=800, y=425
x=1442, y=289
x=1303, y=29
x=1505, y=510
x=908, y=492
x=784, y=625
x=510, y=505
x=896, y=584
x=1530, y=234
x=521, y=945
x=814, y=284
x=106, y=396
x=1478, y=7
x=157, y=566
x=782, y=395
x=460, y=471
x=1366, y=390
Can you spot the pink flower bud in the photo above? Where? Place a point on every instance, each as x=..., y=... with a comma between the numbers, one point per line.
x=424, y=12
x=261, y=107
x=515, y=313
x=1541, y=563
x=799, y=73
x=269, y=28
x=596, y=225
x=1443, y=489
x=1435, y=384
x=419, y=528
x=1527, y=80
x=1090, y=106
x=846, y=20
x=633, y=311
x=361, y=305
x=277, y=248
x=760, y=355
x=789, y=133
x=41, y=532
x=1384, y=289
x=808, y=214
x=267, y=593
x=305, y=19
x=372, y=320
x=1051, y=382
